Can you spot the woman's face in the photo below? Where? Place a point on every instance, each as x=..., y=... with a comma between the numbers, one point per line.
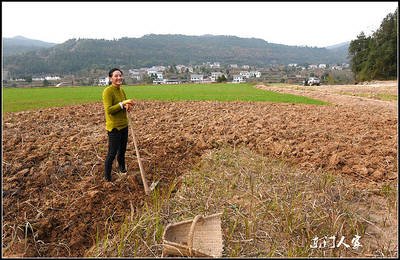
x=117, y=78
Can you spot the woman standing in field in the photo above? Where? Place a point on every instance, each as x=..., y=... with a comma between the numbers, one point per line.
x=116, y=106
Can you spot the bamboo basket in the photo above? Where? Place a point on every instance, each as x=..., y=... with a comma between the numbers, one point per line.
x=201, y=237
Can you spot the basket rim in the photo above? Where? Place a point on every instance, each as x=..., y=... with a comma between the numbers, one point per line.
x=203, y=218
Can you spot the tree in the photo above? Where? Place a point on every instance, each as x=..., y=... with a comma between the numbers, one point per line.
x=385, y=55
x=375, y=57
x=172, y=69
x=358, y=53
x=46, y=83
x=330, y=79
x=28, y=79
x=221, y=79
x=149, y=79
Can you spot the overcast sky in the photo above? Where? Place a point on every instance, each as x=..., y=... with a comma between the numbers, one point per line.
x=317, y=24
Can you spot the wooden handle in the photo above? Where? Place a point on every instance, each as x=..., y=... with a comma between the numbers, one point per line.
x=146, y=187
x=191, y=233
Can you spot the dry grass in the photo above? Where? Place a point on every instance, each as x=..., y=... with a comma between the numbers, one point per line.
x=378, y=96
x=270, y=209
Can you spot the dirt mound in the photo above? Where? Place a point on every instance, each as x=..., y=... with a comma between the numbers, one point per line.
x=55, y=200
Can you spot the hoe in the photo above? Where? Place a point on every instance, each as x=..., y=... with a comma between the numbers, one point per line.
x=147, y=190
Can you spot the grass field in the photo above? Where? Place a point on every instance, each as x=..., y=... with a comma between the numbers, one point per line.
x=21, y=99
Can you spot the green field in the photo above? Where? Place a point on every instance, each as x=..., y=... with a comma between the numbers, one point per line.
x=21, y=99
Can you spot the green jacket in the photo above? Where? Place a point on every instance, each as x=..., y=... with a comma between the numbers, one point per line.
x=115, y=115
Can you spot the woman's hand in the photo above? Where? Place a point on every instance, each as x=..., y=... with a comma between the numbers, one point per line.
x=128, y=101
x=128, y=107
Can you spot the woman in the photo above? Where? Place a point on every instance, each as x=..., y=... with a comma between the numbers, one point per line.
x=116, y=106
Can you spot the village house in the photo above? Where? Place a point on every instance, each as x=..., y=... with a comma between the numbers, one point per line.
x=238, y=79
x=255, y=74
x=336, y=67
x=151, y=71
x=158, y=68
x=160, y=75
x=52, y=78
x=155, y=73
x=104, y=81
x=181, y=68
x=215, y=65
x=196, y=78
x=135, y=74
x=245, y=74
x=216, y=75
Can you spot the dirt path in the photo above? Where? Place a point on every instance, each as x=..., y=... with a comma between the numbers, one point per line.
x=345, y=95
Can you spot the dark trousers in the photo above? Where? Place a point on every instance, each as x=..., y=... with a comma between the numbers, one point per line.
x=117, y=141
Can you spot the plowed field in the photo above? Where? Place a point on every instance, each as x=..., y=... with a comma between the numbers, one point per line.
x=54, y=195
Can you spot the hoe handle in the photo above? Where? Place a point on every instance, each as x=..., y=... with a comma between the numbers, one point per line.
x=146, y=187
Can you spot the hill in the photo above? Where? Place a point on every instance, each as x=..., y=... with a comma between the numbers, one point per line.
x=78, y=55
x=339, y=45
x=20, y=44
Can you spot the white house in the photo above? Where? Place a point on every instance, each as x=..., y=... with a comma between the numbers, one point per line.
x=158, y=68
x=216, y=75
x=52, y=77
x=322, y=66
x=233, y=66
x=180, y=68
x=160, y=75
x=104, y=81
x=336, y=67
x=255, y=74
x=238, y=79
x=216, y=65
x=245, y=74
x=312, y=66
x=156, y=73
x=246, y=67
x=151, y=71
x=135, y=74
x=196, y=77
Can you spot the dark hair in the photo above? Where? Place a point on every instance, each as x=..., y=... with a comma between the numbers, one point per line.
x=112, y=71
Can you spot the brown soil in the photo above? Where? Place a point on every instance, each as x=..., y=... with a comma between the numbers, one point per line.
x=55, y=199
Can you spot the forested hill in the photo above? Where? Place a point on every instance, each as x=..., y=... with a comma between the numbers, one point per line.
x=20, y=44
x=77, y=55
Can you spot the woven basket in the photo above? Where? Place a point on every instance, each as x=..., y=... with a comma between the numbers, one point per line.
x=201, y=236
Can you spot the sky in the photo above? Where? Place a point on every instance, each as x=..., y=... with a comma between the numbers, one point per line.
x=314, y=24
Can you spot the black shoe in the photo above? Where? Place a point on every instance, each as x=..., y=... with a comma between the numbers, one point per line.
x=123, y=170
